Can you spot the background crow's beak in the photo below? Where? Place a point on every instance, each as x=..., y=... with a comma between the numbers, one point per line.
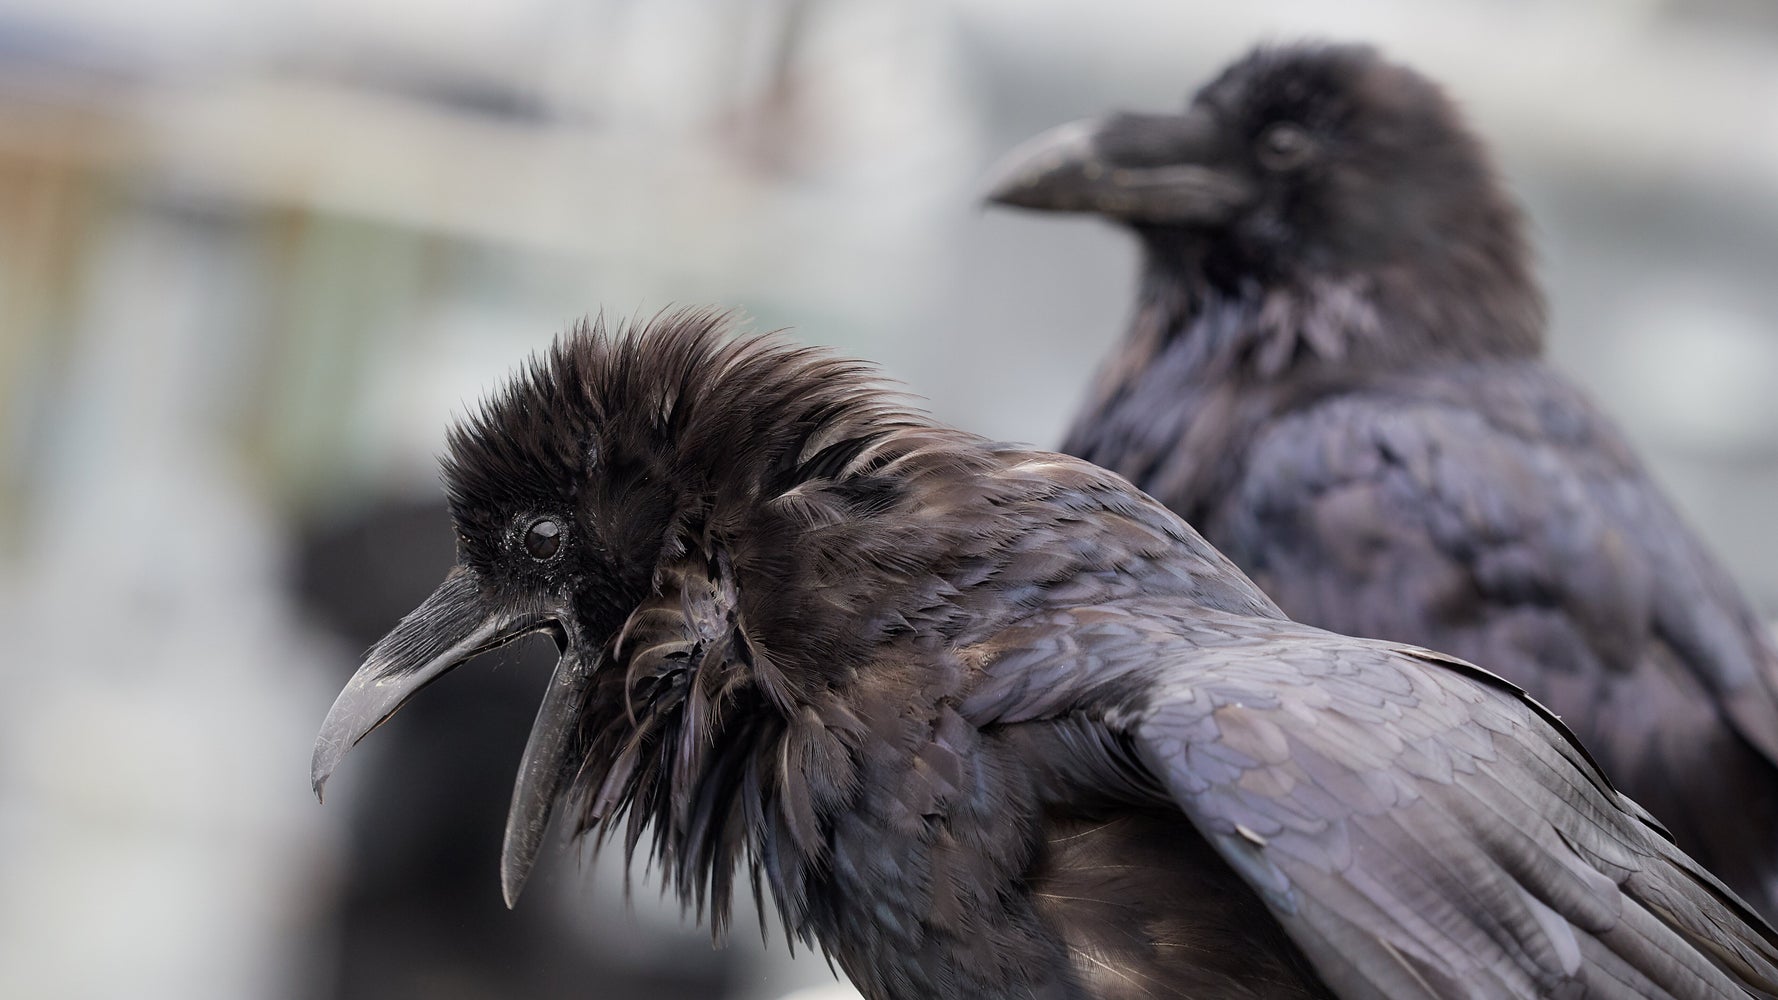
x=1157, y=169
x=455, y=623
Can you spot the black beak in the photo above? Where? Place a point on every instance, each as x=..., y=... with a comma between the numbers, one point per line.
x=546, y=768
x=453, y=625
x=1155, y=169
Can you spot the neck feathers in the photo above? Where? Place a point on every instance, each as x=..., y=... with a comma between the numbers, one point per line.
x=1475, y=304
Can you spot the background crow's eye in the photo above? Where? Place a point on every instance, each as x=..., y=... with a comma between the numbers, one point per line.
x=1284, y=146
x=543, y=538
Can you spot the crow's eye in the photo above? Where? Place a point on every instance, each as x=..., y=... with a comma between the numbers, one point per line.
x=543, y=538
x=1285, y=146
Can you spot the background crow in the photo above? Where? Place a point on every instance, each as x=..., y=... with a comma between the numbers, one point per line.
x=1335, y=372
x=988, y=722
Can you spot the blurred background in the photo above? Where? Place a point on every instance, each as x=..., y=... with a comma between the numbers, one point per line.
x=253, y=257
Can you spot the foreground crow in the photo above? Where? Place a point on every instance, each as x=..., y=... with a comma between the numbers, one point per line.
x=1335, y=372
x=989, y=722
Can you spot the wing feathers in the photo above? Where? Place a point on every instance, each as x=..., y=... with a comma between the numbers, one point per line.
x=1437, y=830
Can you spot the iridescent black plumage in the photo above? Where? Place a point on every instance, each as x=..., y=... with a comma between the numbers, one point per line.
x=988, y=722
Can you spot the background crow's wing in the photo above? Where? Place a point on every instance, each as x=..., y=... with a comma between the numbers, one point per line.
x=1418, y=826
x=1512, y=527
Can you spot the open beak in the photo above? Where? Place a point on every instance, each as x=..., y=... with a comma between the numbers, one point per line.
x=453, y=625
x=1157, y=169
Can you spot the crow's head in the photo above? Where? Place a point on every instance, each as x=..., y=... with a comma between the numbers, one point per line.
x=1296, y=164
x=611, y=496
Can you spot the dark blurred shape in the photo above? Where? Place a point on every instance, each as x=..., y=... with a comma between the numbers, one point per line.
x=418, y=915
x=989, y=723
x=1335, y=372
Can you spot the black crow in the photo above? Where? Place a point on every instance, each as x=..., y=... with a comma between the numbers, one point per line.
x=1335, y=371
x=989, y=722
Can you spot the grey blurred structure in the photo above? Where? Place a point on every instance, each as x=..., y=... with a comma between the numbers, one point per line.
x=253, y=257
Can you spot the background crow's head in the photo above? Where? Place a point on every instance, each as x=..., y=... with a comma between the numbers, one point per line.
x=1300, y=167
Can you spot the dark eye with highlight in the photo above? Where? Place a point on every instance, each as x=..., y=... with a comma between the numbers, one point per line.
x=543, y=539
x=1285, y=146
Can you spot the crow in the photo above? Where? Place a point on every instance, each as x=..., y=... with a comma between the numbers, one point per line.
x=987, y=721
x=1335, y=371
